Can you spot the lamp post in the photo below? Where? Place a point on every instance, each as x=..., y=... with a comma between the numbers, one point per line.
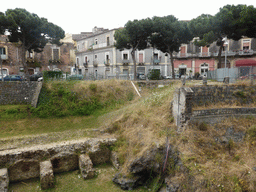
x=226, y=46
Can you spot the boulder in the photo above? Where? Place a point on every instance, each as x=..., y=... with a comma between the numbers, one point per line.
x=24, y=169
x=4, y=180
x=64, y=161
x=46, y=175
x=86, y=166
x=114, y=159
x=126, y=182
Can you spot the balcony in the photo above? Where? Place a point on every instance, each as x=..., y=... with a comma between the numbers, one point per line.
x=95, y=63
x=246, y=52
x=85, y=64
x=204, y=54
x=4, y=57
x=183, y=55
x=107, y=62
x=126, y=62
x=156, y=61
x=229, y=53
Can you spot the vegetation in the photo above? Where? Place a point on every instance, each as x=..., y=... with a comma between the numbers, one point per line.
x=30, y=30
x=214, y=159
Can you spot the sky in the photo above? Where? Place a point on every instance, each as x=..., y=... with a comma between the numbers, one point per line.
x=76, y=16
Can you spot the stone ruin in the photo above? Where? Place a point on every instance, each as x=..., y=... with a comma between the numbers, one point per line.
x=42, y=161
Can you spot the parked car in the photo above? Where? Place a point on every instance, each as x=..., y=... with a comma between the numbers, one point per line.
x=75, y=77
x=248, y=76
x=12, y=78
x=141, y=76
x=36, y=77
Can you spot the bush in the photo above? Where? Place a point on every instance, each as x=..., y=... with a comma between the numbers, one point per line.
x=154, y=74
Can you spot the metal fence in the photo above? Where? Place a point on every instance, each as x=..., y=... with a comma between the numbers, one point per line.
x=247, y=73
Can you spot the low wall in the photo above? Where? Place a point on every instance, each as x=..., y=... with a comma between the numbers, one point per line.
x=24, y=163
x=187, y=98
x=21, y=92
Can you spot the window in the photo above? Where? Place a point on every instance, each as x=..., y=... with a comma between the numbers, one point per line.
x=95, y=56
x=55, y=54
x=86, y=59
x=108, y=43
x=246, y=44
x=2, y=51
x=141, y=58
x=204, y=68
x=96, y=41
x=125, y=56
x=77, y=62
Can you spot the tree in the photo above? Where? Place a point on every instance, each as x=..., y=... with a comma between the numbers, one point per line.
x=30, y=30
x=249, y=21
x=134, y=36
x=168, y=35
x=226, y=23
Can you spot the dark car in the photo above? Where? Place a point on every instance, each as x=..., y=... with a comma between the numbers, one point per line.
x=13, y=78
x=36, y=77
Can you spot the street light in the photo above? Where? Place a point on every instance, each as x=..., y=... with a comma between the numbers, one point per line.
x=226, y=46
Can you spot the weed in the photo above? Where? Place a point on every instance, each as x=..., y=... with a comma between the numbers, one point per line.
x=252, y=132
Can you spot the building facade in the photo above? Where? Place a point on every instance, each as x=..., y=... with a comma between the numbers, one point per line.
x=97, y=56
x=53, y=57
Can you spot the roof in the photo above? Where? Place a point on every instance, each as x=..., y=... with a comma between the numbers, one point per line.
x=245, y=63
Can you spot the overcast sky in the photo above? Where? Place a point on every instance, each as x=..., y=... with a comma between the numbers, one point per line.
x=76, y=16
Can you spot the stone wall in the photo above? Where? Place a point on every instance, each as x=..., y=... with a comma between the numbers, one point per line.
x=186, y=99
x=227, y=94
x=23, y=92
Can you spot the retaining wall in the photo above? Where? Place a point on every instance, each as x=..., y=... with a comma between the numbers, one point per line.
x=21, y=92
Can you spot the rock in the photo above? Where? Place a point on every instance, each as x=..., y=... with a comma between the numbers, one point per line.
x=62, y=162
x=46, y=175
x=114, y=159
x=86, y=166
x=125, y=182
x=24, y=169
x=99, y=153
x=4, y=180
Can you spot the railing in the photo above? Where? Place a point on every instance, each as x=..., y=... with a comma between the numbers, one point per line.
x=4, y=57
x=107, y=62
x=246, y=52
x=95, y=63
x=156, y=61
x=126, y=62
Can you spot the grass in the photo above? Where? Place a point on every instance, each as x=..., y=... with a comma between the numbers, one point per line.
x=222, y=166
x=73, y=182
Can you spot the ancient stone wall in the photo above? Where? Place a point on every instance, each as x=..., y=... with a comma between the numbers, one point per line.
x=19, y=92
x=187, y=99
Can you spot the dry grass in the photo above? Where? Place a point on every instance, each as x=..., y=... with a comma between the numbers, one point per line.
x=219, y=165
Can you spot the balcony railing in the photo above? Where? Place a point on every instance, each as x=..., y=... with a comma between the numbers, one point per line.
x=85, y=64
x=246, y=52
x=156, y=61
x=4, y=57
x=126, y=62
x=107, y=62
x=95, y=63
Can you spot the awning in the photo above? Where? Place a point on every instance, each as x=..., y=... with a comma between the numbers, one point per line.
x=245, y=62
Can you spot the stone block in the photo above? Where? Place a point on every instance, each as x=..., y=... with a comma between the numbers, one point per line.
x=99, y=153
x=46, y=175
x=24, y=169
x=64, y=161
x=86, y=166
x=4, y=180
x=114, y=159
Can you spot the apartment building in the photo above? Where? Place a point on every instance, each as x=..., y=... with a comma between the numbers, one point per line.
x=53, y=57
x=97, y=56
